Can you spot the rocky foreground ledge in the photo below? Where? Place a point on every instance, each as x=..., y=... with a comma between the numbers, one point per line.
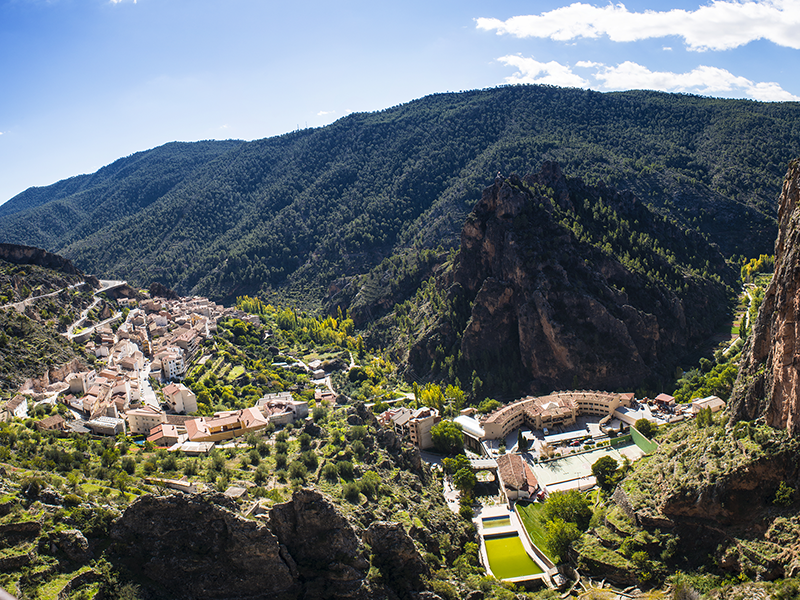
x=198, y=547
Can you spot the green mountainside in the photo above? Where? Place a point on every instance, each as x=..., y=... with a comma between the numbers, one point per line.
x=301, y=213
x=561, y=285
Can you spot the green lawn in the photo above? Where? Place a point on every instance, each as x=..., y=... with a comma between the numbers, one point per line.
x=531, y=517
x=235, y=372
x=508, y=559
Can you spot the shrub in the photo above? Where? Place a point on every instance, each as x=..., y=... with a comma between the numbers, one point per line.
x=345, y=468
x=261, y=475
x=571, y=506
x=310, y=459
x=370, y=484
x=559, y=537
x=351, y=491
x=784, y=496
x=297, y=470
x=359, y=449
x=72, y=500
x=330, y=472
x=128, y=465
x=645, y=427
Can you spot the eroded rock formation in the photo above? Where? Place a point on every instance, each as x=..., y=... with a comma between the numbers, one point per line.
x=198, y=547
x=557, y=309
x=194, y=548
x=28, y=255
x=769, y=380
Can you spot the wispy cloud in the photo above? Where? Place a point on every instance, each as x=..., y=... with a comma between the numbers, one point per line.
x=322, y=113
x=629, y=75
x=721, y=25
x=121, y=1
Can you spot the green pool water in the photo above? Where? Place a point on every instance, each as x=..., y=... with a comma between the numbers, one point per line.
x=496, y=522
x=508, y=559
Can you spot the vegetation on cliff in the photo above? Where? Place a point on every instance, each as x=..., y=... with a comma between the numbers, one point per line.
x=607, y=292
x=36, y=306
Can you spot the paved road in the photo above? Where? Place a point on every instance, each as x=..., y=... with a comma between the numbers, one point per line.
x=105, y=285
x=20, y=306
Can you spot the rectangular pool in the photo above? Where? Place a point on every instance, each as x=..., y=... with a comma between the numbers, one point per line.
x=507, y=557
x=490, y=522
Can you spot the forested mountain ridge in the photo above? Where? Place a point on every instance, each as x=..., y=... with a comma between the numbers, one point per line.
x=561, y=285
x=303, y=210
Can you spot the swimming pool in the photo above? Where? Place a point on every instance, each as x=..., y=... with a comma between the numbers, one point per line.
x=507, y=557
x=490, y=522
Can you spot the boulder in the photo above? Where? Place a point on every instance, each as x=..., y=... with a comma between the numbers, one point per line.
x=396, y=557
x=74, y=544
x=194, y=548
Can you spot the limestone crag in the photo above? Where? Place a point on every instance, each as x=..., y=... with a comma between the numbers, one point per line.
x=769, y=380
x=198, y=547
x=194, y=548
x=396, y=557
x=28, y=255
x=554, y=311
x=330, y=557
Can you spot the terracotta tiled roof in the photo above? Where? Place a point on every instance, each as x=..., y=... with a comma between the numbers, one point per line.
x=515, y=473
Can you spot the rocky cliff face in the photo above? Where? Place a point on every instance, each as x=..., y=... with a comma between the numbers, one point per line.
x=769, y=381
x=195, y=548
x=557, y=304
x=28, y=255
x=198, y=547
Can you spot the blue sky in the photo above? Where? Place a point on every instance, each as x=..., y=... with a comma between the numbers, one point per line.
x=84, y=82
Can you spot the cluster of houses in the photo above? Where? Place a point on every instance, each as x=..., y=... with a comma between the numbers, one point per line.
x=158, y=339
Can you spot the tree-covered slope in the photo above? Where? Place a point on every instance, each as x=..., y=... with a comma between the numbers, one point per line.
x=303, y=209
x=561, y=285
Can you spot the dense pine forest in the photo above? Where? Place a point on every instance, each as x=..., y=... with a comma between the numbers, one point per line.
x=298, y=215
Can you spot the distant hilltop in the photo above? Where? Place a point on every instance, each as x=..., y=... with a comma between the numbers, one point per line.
x=28, y=255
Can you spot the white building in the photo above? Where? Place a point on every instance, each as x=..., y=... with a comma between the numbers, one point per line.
x=713, y=402
x=142, y=420
x=180, y=398
x=172, y=363
x=16, y=407
x=80, y=383
x=413, y=424
x=106, y=426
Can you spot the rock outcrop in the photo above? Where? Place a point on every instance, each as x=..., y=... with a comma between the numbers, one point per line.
x=198, y=547
x=194, y=548
x=28, y=255
x=550, y=302
x=329, y=556
x=768, y=385
x=396, y=557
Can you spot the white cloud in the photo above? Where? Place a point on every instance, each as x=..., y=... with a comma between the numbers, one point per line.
x=322, y=113
x=533, y=71
x=703, y=80
x=721, y=25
